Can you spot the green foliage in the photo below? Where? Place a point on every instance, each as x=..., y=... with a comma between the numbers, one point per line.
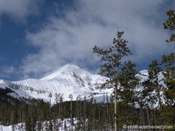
x=126, y=107
x=112, y=57
x=128, y=82
x=152, y=88
x=170, y=23
x=126, y=113
x=169, y=63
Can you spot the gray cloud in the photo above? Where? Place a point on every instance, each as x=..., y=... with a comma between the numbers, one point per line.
x=70, y=39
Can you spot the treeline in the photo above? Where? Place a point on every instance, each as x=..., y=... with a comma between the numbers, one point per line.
x=84, y=114
x=88, y=115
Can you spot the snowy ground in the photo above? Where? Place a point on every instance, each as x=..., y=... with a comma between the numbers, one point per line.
x=61, y=126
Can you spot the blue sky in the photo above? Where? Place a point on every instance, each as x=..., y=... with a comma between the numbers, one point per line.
x=38, y=37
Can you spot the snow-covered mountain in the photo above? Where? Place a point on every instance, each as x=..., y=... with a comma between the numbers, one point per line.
x=69, y=79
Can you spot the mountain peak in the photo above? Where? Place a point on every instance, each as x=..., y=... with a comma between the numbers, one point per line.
x=67, y=70
x=69, y=67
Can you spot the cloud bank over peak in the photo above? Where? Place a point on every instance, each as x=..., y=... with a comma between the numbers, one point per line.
x=69, y=36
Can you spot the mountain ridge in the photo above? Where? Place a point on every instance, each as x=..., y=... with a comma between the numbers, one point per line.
x=70, y=79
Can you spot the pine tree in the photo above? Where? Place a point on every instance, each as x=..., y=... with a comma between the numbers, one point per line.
x=39, y=126
x=84, y=112
x=126, y=94
x=71, y=119
x=153, y=71
x=50, y=125
x=111, y=59
x=150, y=98
x=170, y=23
x=168, y=61
x=50, y=96
x=28, y=124
x=61, y=107
x=153, y=82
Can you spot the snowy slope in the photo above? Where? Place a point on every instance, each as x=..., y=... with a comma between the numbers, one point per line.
x=21, y=126
x=70, y=79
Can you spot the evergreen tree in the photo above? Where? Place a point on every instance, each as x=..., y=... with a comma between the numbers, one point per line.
x=111, y=59
x=39, y=126
x=168, y=61
x=150, y=95
x=61, y=107
x=50, y=125
x=28, y=124
x=84, y=114
x=153, y=71
x=126, y=95
x=153, y=83
x=170, y=23
x=71, y=119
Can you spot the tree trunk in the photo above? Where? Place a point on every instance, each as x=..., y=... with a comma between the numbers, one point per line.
x=71, y=116
x=148, y=119
x=115, y=109
x=115, y=106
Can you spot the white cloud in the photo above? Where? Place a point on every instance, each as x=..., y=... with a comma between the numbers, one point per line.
x=70, y=39
x=19, y=9
x=6, y=70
